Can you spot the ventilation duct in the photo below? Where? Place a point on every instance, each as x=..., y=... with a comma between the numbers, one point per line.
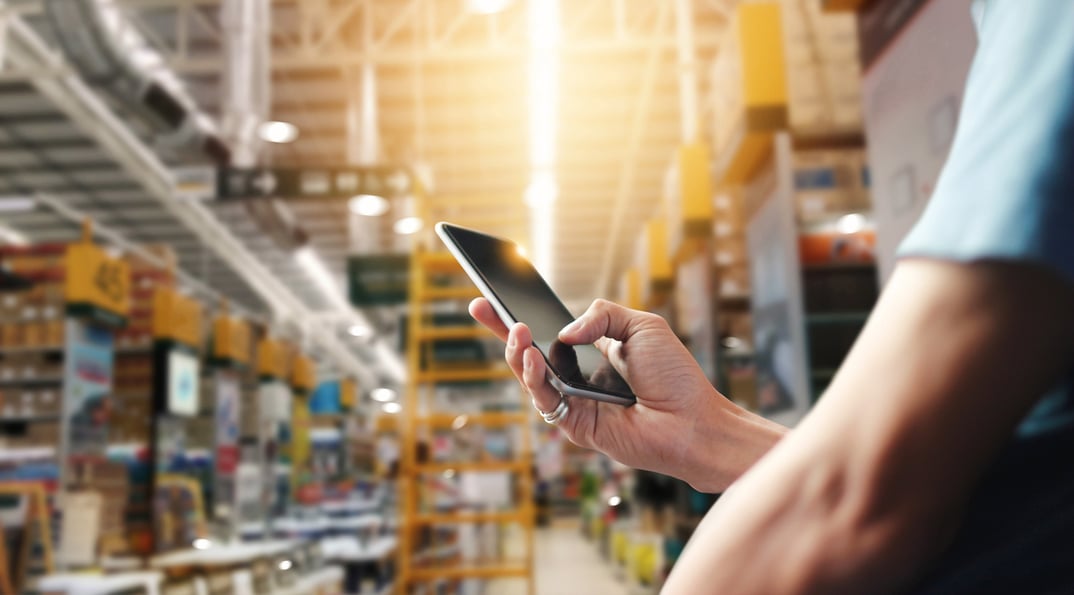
x=111, y=55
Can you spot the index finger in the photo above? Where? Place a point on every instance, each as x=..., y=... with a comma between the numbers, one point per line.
x=482, y=311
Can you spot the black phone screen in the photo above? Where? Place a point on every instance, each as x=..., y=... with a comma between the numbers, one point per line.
x=527, y=298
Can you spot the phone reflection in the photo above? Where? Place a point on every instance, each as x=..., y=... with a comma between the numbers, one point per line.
x=564, y=362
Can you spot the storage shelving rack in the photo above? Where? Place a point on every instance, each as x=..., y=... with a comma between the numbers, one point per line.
x=425, y=375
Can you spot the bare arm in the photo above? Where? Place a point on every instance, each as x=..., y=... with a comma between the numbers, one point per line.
x=868, y=488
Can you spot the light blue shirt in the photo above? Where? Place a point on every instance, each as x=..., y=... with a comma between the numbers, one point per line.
x=1007, y=190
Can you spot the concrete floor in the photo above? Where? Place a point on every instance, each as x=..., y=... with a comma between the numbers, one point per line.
x=567, y=564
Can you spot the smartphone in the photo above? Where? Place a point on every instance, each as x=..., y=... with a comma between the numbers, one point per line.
x=518, y=293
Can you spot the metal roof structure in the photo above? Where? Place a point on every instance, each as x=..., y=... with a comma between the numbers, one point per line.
x=450, y=87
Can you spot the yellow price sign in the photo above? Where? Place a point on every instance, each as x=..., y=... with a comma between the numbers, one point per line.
x=231, y=339
x=348, y=393
x=303, y=373
x=95, y=279
x=176, y=317
x=271, y=359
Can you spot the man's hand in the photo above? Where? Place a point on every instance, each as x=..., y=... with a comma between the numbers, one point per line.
x=680, y=426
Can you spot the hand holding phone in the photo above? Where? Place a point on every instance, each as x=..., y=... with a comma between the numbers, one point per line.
x=518, y=293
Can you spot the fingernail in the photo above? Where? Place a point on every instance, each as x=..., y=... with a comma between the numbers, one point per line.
x=572, y=327
x=511, y=341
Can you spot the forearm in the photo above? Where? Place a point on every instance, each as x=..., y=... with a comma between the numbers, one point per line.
x=867, y=489
x=727, y=441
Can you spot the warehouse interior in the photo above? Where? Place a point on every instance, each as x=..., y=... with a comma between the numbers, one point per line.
x=235, y=358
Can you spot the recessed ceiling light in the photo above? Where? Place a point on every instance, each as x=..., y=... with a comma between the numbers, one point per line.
x=368, y=205
x=391, y=408
x=278, y=132
x=852, y=223
x=407, y=226
x=382, y=395
x=359, y=331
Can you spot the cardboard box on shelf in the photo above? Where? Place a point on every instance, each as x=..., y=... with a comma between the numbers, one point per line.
x=823, y=70
x=729, y=216
x=830, y=182
x=733, y=281
x=730, y=253
x=738, y=325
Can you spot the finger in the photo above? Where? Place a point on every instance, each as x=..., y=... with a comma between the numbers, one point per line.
x=518, y=339
x=604, y=319
x=482, y=311
x=533, y=378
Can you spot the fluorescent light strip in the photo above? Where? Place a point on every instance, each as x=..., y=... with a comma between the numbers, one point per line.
x=541, y=194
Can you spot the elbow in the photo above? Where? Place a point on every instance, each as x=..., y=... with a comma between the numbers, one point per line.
x=870, y=538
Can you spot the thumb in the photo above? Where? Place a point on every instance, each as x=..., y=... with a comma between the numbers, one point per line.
x=602, y=319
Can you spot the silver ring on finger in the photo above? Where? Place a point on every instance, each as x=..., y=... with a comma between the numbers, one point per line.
x=556, y=415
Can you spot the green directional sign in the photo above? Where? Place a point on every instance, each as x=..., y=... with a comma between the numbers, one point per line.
x=238, y=183
x=378, y=280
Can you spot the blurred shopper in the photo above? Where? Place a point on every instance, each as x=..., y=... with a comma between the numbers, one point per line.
x=941, y=458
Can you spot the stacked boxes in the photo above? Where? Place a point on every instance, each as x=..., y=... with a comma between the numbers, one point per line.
x=31, y=347
x=829, y=183
x=823, y=71
x=730, y=254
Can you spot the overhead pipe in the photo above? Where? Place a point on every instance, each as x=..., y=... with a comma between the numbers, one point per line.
x=78, y=102
x=111, y=55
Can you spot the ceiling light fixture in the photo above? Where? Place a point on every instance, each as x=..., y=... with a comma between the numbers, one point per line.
x=542, y=191
x=11, y=237
x=16, y=204
x=278, y=132
x=851, y=224
x=408, y=226
x=391, y=408
x=382, y=395
x=368, y=205
x=360, y=331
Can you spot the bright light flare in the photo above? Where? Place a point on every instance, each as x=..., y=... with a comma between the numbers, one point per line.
x=368, y=205
x=487, y=6
x=278, y=132
x=391, y=408
x=202, y=544
x=11, y=237
x=408, y=226
x=382, y=395
x=360, y=331
x=286, y=564
x=615, y=501
x=542, y=192
x=851, y=224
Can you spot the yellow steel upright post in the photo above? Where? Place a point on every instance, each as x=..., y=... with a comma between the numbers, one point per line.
x=424, y=374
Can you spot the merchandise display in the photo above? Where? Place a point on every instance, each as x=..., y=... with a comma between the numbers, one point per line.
x=243, y=244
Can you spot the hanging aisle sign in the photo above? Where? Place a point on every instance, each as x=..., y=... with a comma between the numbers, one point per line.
x=231, y=341
x=303, y=375
x=348, y=394
x=378, y=280
x=176, y=317
x=271, y=359
x=331, y=182
x=97, y=285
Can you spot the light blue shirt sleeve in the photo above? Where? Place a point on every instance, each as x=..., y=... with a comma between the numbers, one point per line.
x=1007, y=190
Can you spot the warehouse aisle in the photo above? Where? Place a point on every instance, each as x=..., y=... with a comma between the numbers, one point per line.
x=567, y=564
